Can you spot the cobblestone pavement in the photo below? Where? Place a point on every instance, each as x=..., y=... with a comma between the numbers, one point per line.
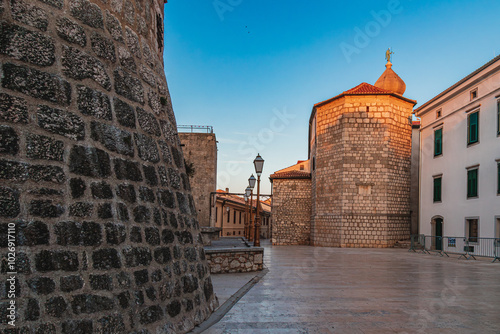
x=332, y=290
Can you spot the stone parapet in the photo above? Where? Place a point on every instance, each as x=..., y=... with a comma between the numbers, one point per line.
x=235, y=260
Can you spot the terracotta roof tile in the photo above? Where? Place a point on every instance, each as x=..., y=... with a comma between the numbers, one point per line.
x=364, y=89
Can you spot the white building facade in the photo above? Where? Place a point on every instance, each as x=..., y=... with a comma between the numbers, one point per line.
x=460, y=158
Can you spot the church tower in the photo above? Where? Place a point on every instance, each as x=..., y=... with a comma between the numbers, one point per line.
x=360, y=150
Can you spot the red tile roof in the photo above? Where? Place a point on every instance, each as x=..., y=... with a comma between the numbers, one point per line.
x=292, y=174
x=364, y=89
x=222, y=195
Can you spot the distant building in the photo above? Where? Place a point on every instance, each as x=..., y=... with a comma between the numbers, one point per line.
x=231, y=213
x=200, y=153
x=358, y=171
x=460, y=157
x=291, y=205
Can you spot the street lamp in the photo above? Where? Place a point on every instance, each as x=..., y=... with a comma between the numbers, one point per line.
x=259, y=164
x=251, y=181
x=247, y=216
x=251, y=184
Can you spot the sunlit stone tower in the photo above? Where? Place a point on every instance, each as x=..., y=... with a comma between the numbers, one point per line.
x=360, y=150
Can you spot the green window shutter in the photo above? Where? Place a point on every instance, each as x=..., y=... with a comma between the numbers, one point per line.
x=437, y=189
x=473, y=128
x=472, y=183
x=438, y=142
x=498, y=178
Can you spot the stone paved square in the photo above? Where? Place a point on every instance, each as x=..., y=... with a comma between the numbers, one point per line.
x=338, y=290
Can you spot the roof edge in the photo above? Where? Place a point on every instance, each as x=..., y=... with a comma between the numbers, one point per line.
x=451, y=88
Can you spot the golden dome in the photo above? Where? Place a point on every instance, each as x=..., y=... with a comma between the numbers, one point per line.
x=390, y=81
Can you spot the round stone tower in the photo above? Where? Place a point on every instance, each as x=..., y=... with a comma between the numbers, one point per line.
x=98, y=230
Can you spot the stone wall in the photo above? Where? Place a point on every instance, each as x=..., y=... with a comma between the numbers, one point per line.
x=291, y=212
x=200, y=149
x=237, y=260
x=362, y=178
x=92, y=177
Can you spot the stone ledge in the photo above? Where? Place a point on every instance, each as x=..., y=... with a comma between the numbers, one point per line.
x=234, y=250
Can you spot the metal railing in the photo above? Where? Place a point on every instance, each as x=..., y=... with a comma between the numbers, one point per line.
x=195, y=128
x=467, y=248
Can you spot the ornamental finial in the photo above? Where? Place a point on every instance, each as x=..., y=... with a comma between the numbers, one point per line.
x=388, y=54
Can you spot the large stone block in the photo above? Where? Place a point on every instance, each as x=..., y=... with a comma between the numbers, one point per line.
x=71, y=31
x=80, y=65
x=37, y=84
x=29, y=14
x=25, y=45
x=14, y=109
x=87, y=12
x=61, y=122
x=43, y=147
x=93, y=103
x=89, y=161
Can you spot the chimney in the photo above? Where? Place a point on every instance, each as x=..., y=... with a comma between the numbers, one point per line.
x=227, y=190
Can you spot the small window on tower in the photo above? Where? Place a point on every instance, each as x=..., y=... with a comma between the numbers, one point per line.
x=473, y=94
x=438, y=113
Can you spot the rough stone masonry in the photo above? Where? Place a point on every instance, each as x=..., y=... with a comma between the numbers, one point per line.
x=92, y=175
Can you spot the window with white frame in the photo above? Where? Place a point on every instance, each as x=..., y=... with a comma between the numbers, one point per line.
x=472, y=229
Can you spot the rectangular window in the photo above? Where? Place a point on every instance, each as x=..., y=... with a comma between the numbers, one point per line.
x=240, y=217
x=472, y=183
x=437, y=188
x=473, y=94
x=498, y=178
x=438, y=142
x=472, y=229
x=473, y=128
x=228, y=214
x=234, y=217
x=438, y=113
x=498, y=118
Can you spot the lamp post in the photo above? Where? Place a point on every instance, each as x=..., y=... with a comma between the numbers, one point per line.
x=251, y=184
x=259, y=164
x=248, y=191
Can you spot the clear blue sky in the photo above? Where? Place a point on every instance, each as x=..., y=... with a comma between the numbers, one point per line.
x=236, y=64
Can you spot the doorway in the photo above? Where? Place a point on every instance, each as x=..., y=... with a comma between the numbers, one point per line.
x=437, y=233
